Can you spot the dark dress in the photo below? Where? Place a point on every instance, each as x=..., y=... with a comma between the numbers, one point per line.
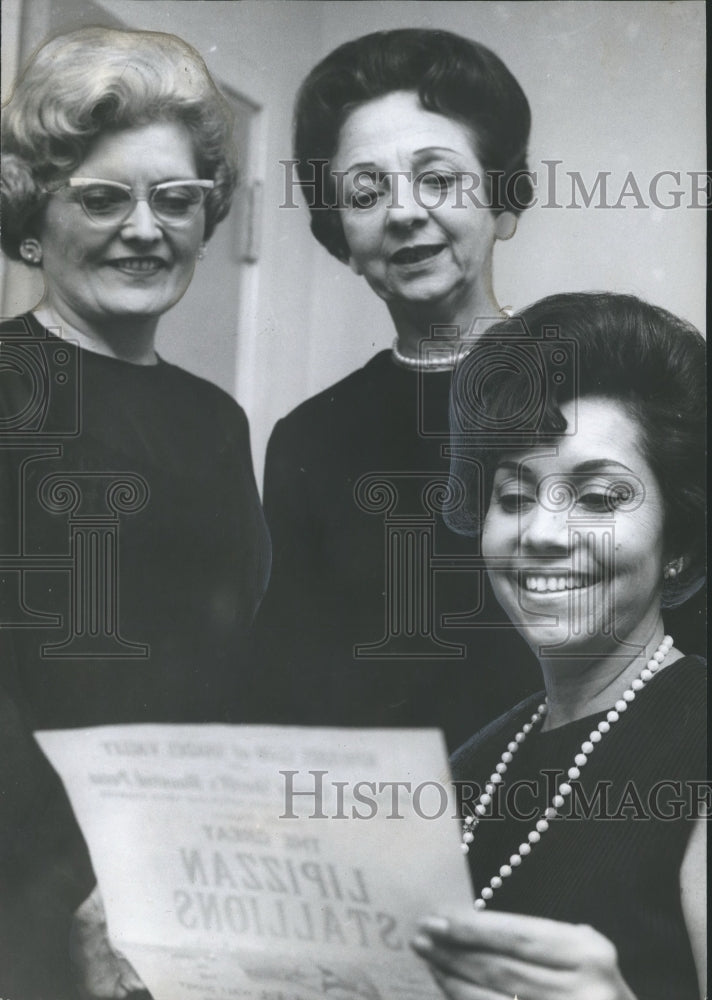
x=613, y=858
x=45, y=871
x=351, y=630
x=133, y=548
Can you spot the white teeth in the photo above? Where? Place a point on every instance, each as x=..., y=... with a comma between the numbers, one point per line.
x=543, y=584
x=137, y=265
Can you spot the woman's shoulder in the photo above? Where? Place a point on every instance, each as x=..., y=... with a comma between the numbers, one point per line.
x=676, y=699
x=24, y=331
x=198, y=390
x=349, y=394
x=674, y=703
x=19, y=324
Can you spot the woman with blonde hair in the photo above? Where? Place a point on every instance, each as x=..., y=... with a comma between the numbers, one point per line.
x=117, y=166
x=133, y=550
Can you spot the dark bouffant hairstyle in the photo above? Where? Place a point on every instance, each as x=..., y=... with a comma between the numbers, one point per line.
x=96, y=80
x=452, y=76
x=508, y=390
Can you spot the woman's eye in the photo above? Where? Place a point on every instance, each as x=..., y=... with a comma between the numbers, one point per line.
x=602, y=503
x=438, y=181
x=176, y=201
x=366, y=191
x=364, y=199
x=513, y=503
x=101, y=200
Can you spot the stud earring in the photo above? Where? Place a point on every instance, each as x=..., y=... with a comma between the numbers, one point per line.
x=505, y=226
x=31, y=251
x=672, y=569
x=202, y=251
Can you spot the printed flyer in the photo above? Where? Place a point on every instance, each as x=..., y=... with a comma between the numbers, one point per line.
x=260, y=862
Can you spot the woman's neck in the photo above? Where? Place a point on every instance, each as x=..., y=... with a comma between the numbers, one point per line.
x=577, y=687
x=131, y=340
x=415, y=322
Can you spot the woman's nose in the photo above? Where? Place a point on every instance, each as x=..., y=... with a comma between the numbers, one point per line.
x=141, y=223
x=543, y=528
x=406, y=207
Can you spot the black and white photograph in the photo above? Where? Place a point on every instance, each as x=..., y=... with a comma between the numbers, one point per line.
x=352, y=500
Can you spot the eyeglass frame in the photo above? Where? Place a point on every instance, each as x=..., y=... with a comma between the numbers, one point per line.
x=82, y=182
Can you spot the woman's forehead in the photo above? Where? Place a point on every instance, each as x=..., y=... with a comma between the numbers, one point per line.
x=601, y=433
x=159, y=147
x=397, y=122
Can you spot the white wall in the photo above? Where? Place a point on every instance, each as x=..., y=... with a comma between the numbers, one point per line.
x=613, y=86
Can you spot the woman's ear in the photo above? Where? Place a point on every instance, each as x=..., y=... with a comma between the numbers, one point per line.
x=31, y=251
x=673, y=568
x=505, y=226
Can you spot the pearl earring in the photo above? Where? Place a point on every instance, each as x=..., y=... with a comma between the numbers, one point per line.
x=31, y=251
x=202, y=251
x=505, y=226
x=671, y=570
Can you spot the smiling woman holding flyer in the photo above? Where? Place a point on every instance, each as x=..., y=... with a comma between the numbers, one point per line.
x=585, y=829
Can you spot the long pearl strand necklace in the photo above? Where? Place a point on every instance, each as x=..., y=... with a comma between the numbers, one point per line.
x=564, y=789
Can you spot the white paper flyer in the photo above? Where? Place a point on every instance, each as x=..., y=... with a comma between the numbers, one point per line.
x=267, y=863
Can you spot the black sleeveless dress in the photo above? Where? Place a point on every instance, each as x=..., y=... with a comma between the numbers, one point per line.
x=613, y=858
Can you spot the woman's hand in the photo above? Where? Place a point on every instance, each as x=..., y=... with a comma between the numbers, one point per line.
x=102, y=972
x=500, y=956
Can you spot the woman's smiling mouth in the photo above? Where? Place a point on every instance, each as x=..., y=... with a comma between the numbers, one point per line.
x=138, y=265
x=549, y=583
x=408, y=256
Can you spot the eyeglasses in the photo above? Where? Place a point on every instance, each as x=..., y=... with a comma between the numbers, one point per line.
x=109, y=203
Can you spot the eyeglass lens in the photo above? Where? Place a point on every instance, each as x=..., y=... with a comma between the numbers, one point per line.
x=111, y=203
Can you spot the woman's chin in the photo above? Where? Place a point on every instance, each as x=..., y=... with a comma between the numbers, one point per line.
x=136, y=307
x=421, y=290
x=558, y=626
x=547, y=642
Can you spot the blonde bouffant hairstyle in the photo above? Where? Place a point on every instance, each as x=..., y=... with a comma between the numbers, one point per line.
x=84, y=84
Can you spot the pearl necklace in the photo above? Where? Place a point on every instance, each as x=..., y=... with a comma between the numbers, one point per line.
x=439, y=362
x=564, y=789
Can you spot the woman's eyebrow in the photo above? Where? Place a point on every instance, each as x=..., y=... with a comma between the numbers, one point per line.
x=590, y=465
x=518, y=468
x=421, y=154
x=360, y=167
x=597, y=464
x=436, y=150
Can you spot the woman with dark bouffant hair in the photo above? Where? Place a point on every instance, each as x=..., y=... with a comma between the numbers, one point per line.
x=411, y=149
x=117, y=166
x=578, y=443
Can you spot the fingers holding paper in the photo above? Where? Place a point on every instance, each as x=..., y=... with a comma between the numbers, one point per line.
x=498, y=956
